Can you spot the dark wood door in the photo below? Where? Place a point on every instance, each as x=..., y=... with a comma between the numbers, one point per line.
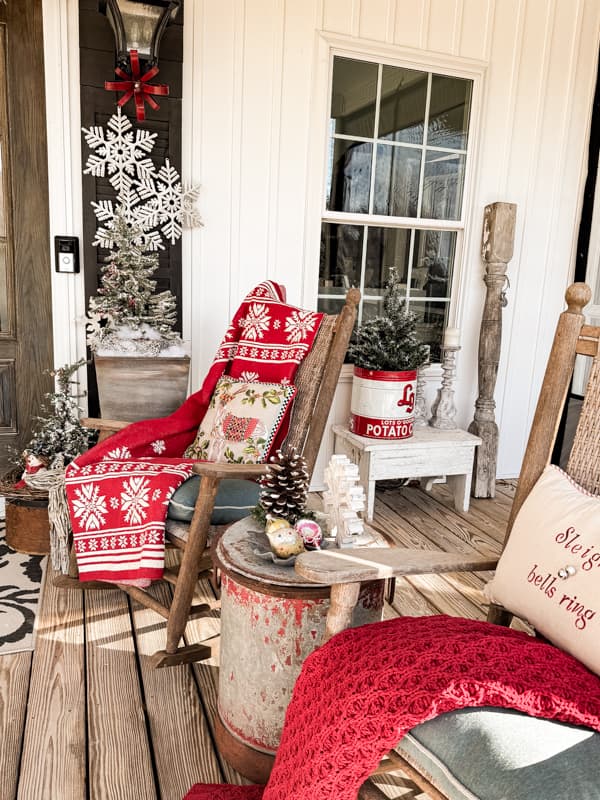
x=25, y=286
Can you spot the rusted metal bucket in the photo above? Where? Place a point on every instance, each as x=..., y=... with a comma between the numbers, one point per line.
x=271, y=620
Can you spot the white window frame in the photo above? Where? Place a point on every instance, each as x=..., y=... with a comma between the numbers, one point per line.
x=328, y=46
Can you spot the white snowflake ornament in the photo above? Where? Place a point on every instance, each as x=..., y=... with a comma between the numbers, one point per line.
x=120, y=153
x=154, y=201
x=169, y=205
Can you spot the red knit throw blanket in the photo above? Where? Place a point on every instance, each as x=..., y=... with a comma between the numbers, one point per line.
x=359, y=694
x=118, y=492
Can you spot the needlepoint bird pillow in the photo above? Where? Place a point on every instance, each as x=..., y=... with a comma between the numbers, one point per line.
x=241, y=422
x=549, y=572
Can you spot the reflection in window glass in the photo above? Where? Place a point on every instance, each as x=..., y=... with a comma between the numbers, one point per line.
x=403, y=101
x=431, y=321
x=449, y=112
x=386, y=248
x=443, y=185
x=371, y=308
x=353, y=97
x=4, y=326
x=397, y=151
x=433, y=264
x=341, y=257
x=331, y=305
x=397, y=181
x=350, y=178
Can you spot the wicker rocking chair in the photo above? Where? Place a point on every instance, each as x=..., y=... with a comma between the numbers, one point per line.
x=316, y=382
x=572, y=337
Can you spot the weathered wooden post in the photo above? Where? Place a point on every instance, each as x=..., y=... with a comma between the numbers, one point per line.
x=496, y=250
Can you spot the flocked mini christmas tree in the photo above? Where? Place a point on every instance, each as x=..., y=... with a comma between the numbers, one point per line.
x=58, y=432
x=284, y=487
x=126, y=295
x=389, y=342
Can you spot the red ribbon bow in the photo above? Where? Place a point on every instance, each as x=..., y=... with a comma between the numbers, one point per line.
x=137, y=86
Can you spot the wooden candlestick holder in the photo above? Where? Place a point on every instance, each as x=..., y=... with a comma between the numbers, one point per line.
x=420, y=401
x=443, y=409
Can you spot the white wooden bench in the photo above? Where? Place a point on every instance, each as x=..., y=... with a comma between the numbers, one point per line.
x=430, y=454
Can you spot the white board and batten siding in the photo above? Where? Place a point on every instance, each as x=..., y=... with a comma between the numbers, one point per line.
x=256, y=78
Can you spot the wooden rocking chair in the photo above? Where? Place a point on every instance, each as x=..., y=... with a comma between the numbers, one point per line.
x=572, y=337
x=316, y=382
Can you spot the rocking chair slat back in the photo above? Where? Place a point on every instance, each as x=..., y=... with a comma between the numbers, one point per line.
x=553, y=395
x=308, y=380
x=317, y=380
x=572, y=337
x=584, y=460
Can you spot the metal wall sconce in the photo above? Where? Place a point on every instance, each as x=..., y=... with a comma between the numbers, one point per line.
x=139, y=26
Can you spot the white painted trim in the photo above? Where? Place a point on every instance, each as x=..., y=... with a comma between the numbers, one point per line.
x=404, y=56
x=419, y=223
x=461, y=277
x=317, y=156
x=63, y=115
x=191, y=131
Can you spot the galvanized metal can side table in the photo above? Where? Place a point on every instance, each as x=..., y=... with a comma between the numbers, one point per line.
x=271, y=620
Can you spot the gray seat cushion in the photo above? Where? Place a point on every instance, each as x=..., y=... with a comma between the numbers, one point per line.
x=499, y=754
x=235, y=500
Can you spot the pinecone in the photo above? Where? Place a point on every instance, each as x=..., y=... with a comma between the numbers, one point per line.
x=284, y=486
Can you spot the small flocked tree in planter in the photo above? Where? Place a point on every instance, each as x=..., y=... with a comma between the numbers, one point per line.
x=59, y=436
x=128, y=317
x=32, y=488
x=386, y=353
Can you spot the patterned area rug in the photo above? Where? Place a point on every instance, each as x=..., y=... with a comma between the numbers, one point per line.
x=21, y=578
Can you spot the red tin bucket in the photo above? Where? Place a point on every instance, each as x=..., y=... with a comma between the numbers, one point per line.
x=383, y=403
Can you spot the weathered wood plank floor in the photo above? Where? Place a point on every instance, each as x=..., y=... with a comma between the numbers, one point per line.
x=85, y=717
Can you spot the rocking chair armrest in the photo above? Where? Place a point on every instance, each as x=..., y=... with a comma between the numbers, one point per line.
x=212, y=469
x=109, y=425
x=354, y=565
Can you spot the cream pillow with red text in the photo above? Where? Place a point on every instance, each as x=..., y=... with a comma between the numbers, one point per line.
x=549, y=572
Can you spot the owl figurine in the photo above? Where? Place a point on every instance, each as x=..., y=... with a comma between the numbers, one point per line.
x=284, y=540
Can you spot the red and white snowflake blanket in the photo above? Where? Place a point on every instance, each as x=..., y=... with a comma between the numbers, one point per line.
x=360, y=693
x=118, y=492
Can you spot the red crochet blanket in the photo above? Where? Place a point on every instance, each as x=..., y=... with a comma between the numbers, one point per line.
x=359, y=694
x=118, y=492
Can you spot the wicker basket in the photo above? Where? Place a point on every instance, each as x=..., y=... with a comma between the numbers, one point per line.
x=27, y=525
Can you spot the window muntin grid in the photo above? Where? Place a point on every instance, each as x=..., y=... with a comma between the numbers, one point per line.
x=395, y=185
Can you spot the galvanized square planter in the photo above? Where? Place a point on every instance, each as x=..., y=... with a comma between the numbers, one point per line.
x=132, y=388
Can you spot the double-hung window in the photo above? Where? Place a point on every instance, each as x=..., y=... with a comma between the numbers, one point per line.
x=397, y=153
